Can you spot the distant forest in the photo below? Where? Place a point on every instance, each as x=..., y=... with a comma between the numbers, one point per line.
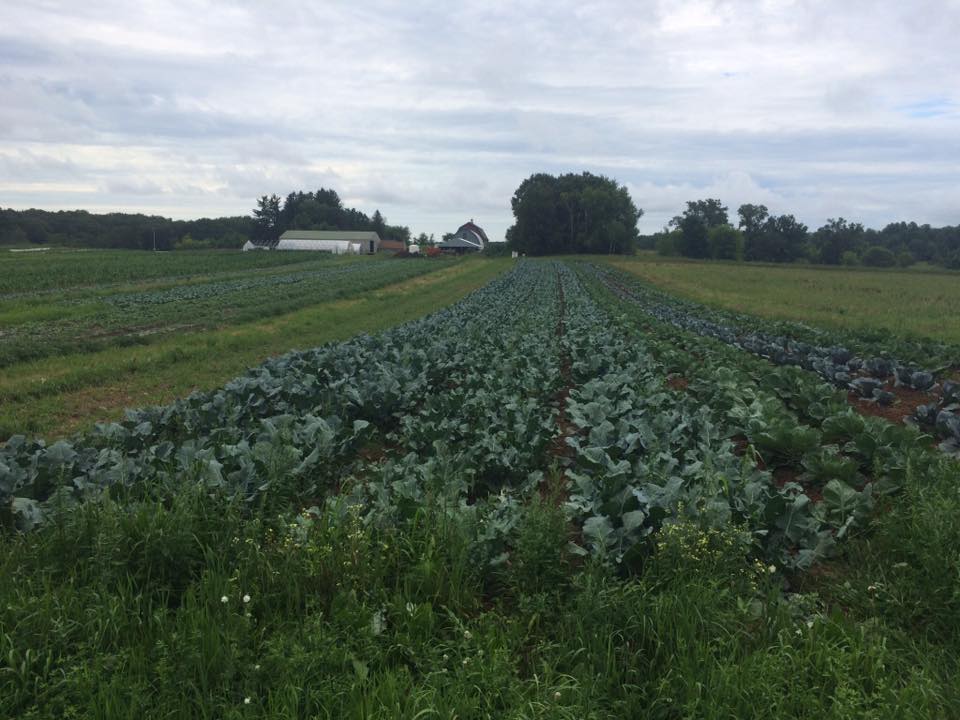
x=704, y=230
x=320, y=210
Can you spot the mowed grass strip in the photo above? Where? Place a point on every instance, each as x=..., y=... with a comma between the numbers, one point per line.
x=55, y=397
x=908, y=304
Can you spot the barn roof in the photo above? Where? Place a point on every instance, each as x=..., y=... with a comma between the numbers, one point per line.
x=459, y=242
x=348, y=235
x=474, y=228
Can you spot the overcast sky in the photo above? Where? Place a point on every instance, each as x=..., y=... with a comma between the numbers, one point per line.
x=434, y=112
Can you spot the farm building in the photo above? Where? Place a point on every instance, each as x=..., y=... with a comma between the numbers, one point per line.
x=468, y=238
x=339, y=242
x=392, y=246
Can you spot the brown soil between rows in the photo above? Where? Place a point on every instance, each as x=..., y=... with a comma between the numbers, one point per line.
x=908, y=400
x=677, y=382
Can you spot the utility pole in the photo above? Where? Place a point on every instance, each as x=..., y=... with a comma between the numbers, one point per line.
x=154, y=239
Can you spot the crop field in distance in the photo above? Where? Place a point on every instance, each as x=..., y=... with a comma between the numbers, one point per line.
x=904, y=303
x=272, y=485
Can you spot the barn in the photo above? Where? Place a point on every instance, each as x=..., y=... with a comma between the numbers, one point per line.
x=393, y=246
x=338, y=242
x=469, y=237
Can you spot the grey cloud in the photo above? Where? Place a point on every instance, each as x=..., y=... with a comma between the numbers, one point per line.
x=435, y=112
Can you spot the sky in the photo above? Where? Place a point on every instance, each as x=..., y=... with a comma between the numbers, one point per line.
x=434, y=112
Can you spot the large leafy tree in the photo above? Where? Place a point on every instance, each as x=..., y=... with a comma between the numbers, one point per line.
x=771, y=238
x=572, y=213
x=836, y=238
x=700, y=217
x=267, y=220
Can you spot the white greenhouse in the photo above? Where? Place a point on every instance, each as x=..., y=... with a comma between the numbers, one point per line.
x=338, y=242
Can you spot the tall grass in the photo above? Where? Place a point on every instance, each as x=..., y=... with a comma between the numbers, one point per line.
x=190, y=606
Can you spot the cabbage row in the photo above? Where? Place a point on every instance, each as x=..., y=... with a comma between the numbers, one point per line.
x=292, y=425
x=204, y=291
x=541, y=379
x=864, y=375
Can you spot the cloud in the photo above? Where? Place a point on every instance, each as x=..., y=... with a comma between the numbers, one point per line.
x=434, y=112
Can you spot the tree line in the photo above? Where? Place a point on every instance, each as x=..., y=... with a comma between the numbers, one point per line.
x=131, y=231
x=704, y=230
x=320, y=210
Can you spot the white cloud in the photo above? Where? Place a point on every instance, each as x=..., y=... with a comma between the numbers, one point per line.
x=435, y=112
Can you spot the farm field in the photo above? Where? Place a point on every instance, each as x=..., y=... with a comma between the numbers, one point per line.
x=906, y=303
x=60, y=303
x=55, y=396
x=563, y=494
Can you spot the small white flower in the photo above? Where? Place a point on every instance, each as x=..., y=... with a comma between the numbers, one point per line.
x=224, y=599
x=871, y=588
x=799, y=631
x=246, y=701
x=446, y=657
x=247, y=615
x=246, y=598
x=256, y=667
x=467, y=635
x=465, y=661
x=771, y=569
x=556, y=695
x=809, y=623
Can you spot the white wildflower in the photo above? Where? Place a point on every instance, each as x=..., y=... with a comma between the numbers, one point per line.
x=771, y=569
x=556, y=695
x=247, y=701
x=467, y=635
x=224, y=599
x=246, y=598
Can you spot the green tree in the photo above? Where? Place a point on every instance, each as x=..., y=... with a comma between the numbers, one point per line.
x=266, y=220
x=725, y=243
x=379, y=225
x=695, y=224
x=694, y=237
x=711, y=211
x=877, y=256
x=836, y=238
x=572, y=213
x=752, y=221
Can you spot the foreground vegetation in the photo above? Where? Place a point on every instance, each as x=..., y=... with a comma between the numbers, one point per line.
x=579, y=510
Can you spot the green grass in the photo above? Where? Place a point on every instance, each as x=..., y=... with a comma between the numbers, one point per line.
x=57, y=396
x=189, y=608
x=908, y=304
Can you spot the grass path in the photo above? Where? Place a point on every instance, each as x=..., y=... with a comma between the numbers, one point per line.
x=908, y=304
x=55, y=397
